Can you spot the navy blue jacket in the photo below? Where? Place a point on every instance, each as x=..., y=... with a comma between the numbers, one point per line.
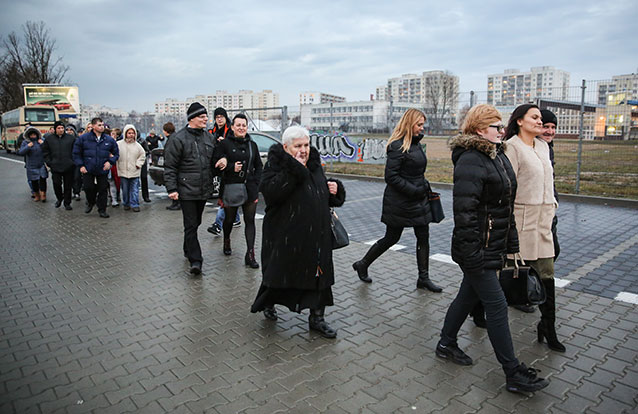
x=91, y=154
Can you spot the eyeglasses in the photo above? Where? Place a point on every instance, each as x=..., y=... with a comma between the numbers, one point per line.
x=499, y=128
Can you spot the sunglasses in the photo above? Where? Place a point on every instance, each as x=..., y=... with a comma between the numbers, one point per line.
x=499, y=128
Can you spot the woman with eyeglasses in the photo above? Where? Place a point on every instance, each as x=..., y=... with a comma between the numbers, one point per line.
x=535, y=207
x=484, y=232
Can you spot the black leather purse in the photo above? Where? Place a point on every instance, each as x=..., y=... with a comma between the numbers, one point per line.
x=436, y=208
x=339, y=234
x=521, y=284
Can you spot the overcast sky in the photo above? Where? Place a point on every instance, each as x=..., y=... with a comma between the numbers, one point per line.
x=131, y=54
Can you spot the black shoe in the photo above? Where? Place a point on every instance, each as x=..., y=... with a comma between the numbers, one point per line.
x=362, y=271
x=453, y=353
x=126, y=208
x=58, y=203
x=89, y=208
x=196, y=268
x=237, y=223
x=174, y=206
x=270, y=313
x=424, y=282
x=524, y=379
x=214, y=229
x=68, y=207
x=249, y=259
x=227, y=250
x=136, y=209
x=317, y=323
x=104, y=214
x=147, y=200
x=548, y=331
x=524, y=308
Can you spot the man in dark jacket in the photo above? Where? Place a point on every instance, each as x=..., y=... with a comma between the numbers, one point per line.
x=95, y=153
x=188, y=177
x=58, y=155
x=550, y=122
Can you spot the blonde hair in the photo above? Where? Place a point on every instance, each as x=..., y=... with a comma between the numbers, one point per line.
x=479, y=118
x=404, y=128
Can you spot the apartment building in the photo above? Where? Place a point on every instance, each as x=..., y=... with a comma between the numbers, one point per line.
x=310, y=98
x=513, y=87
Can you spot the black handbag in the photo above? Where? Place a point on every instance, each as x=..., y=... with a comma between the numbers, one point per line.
x=436, y=209
x=235, y=194
x=339, y=234
x=522, y=285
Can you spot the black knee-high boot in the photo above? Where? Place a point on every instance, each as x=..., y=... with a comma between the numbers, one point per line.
x=547, y=325
x=361, y=266
x=316, y=322
x=423, y=266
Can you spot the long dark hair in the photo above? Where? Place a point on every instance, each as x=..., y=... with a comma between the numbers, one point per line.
x=519, y=113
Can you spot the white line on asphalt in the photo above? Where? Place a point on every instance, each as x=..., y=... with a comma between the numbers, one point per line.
x=561, y=282
x=12, y=160
x=393, y=248
x=445, y=258
x=627, y=297
x=364, y=199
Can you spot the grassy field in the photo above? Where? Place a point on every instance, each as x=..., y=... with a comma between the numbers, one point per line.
x=609, y=169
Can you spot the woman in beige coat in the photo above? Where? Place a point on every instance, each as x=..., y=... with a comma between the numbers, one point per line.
x=534, y=207
x=129, y=167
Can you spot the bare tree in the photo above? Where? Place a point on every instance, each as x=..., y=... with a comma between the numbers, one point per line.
x=441, y=99
x=27, y=60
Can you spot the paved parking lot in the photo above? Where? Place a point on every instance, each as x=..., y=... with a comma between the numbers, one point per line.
x=101, y=316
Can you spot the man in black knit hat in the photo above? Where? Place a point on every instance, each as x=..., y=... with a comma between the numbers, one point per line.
x=550, y=123
x=188, y=177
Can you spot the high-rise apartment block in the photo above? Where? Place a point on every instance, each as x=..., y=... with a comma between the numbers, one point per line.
x=242, y=100
x=310, y=98
x=514, y=87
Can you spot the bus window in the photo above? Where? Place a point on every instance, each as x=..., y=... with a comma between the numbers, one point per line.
x=39, y=115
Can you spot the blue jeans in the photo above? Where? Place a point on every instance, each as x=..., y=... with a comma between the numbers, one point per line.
x=221, y=215
x=482, y=287
x=130, y=191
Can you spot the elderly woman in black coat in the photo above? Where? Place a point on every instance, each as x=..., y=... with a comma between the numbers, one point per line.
x=296, y=251
x=484, y=232
x=405, y=199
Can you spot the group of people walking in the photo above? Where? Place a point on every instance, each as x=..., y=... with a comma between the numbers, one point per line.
x=105, y=163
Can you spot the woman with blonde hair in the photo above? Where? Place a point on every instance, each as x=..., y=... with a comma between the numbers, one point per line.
x=405, y=199
x=484, y=232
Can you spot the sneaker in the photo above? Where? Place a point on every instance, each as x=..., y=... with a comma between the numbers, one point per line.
x=196, y=268
x=524, y=379
x=453, y=353
x=215, y=229
x=237, y=223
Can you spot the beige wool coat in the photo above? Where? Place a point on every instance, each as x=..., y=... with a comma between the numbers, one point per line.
x=535, y=204
x=132, y=158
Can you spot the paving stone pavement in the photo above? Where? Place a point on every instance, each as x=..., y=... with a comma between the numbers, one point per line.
x=101, y=316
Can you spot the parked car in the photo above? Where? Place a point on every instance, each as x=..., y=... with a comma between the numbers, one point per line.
x=156, y=169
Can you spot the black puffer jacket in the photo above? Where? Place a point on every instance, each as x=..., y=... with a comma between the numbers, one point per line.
x=236, y=149
x=405, y=202
x=484, y=193
x=58, y=152
x=187, y=164
x=297, y=237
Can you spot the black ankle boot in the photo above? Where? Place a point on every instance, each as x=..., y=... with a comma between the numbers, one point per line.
x=362, y=271
x=424, y=282
x=227, y=249
x=547, y=326
x=317, y=323
x=270, y=313
x=249, y=259
x=361, y=267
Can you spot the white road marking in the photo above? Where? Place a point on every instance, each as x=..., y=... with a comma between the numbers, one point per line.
x=395, y=248
x=627, y=297
x=445, y=258
x=561, y=282
x=12, y=160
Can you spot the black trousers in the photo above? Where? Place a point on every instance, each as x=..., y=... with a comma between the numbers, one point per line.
x=482, y=287
x=62, y=183
x=192, y=213
x=77, y=180
x=144, y=180
x=39, y=185
x=96, y=188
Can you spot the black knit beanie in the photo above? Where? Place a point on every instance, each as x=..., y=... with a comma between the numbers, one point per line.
x=548, y=117
x=57, y=124
x=196, y=109
x=221, y=111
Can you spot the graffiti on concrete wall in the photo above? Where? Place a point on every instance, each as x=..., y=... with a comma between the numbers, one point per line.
x=343, y=148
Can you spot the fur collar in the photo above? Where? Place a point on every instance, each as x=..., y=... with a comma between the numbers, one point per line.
x=476, y=142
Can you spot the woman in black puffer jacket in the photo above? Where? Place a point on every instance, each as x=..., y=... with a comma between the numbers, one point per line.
x=484, y=232
x=405, y=199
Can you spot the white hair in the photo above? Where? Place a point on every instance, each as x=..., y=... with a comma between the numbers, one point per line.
x=294, y=132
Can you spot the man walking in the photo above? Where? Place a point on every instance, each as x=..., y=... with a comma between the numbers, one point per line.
x=550, y=122
x=188, y=177
x=58, y=156
x=95, y=153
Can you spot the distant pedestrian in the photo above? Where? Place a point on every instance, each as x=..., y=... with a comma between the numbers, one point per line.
x=152, y=140
x=169, y=129
x=238, y=158
x=296, y=253
x=535, y=208
x=220, y=131
x=405, y=199
x=484, y=231
x=58, y=155
x=129, y=167
x=77, y=175
x=31, y=148
x=188, y=177
x=114, y=177
x=144, y=171
x=95, y=153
